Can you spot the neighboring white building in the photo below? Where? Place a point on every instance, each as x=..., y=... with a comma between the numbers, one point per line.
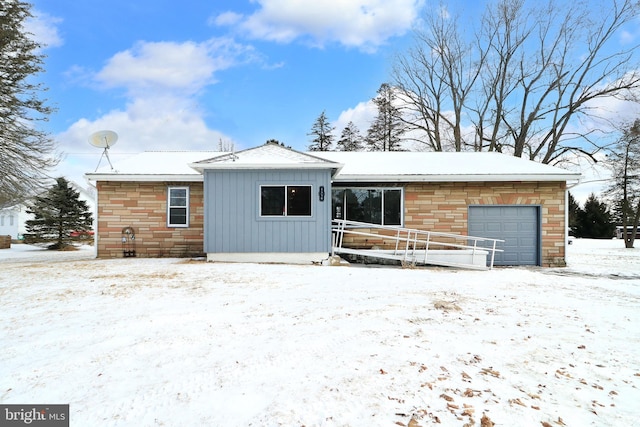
x=12, y=221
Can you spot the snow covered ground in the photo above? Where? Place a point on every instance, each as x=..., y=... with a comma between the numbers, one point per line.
x=174, y=342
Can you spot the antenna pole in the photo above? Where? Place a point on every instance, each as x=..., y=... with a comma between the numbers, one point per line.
x=105, y=153
x=103, y=139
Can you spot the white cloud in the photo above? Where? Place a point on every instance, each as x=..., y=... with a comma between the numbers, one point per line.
x=365, y=24
x=162, y=82
x=166, y=67
x=630, y=34
x=163, y=65
x=162, y=123
x=227, y=18
x=361, y=115
x=44, y=29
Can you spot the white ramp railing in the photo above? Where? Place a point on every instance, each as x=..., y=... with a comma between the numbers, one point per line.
x=415, y=246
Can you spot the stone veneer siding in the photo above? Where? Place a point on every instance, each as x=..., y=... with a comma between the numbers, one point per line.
x=444, y=207
x=439, y=207
x=143, y=206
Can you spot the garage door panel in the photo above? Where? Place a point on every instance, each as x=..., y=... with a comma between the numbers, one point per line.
x=507, y=227
x=526, y=241
x=509, y=241
x=518, y=226
x=491, y=213
x=491, y=227
x=510, y=258
x=527, y=228
x=477, y=227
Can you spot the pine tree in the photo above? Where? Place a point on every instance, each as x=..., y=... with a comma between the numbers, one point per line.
x=25, y=151
x=276, y=142
x=594, y=221
x=574, y=213
x=58, y=212
x=321, y=132
x=387, y=129
x=350, y=138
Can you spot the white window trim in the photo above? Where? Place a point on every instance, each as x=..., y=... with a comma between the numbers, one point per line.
x=169, y=189
x=401, y=189
x=285, y=201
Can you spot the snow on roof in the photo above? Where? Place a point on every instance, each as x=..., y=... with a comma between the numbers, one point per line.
x=402, y=166
x=267, y=156
x=155, y=165
x=405, y=166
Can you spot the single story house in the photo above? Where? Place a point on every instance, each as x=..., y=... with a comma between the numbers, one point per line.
x=275, y=204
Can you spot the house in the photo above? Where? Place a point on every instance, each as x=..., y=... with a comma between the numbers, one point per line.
x=12, y=221
x=274, y=204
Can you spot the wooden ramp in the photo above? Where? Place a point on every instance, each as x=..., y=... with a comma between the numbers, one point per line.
x=413, y=246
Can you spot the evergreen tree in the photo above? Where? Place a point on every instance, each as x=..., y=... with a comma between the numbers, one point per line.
x=350, y=138
x=574, y=213
x=25, y=152
x=276, y=142
x=58, y=212
x=387, y=129
x=594, y=221
x=321, y=133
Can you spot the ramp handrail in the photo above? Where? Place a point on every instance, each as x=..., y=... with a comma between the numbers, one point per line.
x=409, y=241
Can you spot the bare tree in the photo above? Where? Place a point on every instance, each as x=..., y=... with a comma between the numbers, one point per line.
x=625, y=162
x=528, y=74
x=435, y=78
x=26, y=152
x=225, y=145
x=505, y=29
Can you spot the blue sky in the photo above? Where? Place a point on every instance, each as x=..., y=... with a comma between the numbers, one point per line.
x=168, y=75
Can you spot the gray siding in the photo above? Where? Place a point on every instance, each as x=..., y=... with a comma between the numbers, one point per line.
x=232, y=222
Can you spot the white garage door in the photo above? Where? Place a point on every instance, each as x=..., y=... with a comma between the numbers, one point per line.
x=518, y=226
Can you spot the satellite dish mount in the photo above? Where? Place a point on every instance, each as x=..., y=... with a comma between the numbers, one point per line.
x=104, y=139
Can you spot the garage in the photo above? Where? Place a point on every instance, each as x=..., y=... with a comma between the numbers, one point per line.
x=517, y=225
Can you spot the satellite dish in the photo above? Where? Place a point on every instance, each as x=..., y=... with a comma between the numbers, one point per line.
x=104, y=139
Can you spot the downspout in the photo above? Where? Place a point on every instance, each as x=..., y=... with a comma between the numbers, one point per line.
x=96, y=224
x=95, y=216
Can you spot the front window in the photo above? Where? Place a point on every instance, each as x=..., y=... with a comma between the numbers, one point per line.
x=285, y=200
x=178, y=207
x=372, y=205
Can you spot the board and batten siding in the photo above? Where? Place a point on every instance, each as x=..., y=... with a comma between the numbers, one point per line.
x=232, y=213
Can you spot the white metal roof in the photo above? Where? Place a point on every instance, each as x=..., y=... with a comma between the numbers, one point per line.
x=267, y=156
x=349, y=166
x=410, y=166
x=155, y=166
